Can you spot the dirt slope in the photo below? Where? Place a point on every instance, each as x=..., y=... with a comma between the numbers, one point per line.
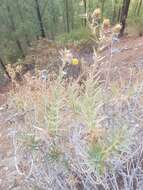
x=127, y=60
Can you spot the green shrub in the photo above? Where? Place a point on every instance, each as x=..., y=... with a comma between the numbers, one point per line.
x=135, y=25
x=75, y=35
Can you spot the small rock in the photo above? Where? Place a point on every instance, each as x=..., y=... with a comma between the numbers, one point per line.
x=5, y=168
x=137, y=125
x=1, y=108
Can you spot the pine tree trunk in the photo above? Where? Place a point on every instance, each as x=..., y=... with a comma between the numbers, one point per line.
x=102, y=8
x=23, y=21
x=119, y=14
x=139, y=7
x=114, y=17
x=85, y=11
x=67, y=15
x=136, y=7
x=39, y=16
x=124, y=15
x=72, y=14
x=13, y=28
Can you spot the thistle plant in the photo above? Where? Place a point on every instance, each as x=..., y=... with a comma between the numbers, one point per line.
x=101, y=29
x=74, y=138
x=79, y=135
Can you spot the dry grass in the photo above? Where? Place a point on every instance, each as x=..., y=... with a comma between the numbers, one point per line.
x=74, y=138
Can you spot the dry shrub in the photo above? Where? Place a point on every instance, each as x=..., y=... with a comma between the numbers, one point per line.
x=79, y=136
x=73, y=139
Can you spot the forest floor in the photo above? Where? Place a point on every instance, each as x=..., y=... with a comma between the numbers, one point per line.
x=127, y=59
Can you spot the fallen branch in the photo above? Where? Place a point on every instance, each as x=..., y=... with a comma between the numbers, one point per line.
x=5, y=69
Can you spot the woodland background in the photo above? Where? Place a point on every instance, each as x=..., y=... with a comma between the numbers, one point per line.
x=22, y=21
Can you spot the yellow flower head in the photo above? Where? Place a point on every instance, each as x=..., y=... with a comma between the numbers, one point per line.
x=117, y=28
x=75, y=61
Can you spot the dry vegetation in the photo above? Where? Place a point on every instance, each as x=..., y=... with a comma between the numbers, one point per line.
x=78, y=133
x=69, y=137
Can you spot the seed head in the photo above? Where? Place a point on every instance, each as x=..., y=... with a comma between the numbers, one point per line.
x=117, y=28
x=106, y=23
x=96, y=13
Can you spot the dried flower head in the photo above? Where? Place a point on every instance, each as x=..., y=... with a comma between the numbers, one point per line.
x=106, y=23
x=96, y=13
x=66, y=56
x=18, y=68
x=117, y=28
x=11, y=71
x=95, y=135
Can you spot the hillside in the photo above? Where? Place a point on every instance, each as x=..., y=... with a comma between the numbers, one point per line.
x=57, y=135
x=71, y=95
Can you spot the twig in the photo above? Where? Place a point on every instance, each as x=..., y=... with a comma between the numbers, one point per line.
x=16, y=161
